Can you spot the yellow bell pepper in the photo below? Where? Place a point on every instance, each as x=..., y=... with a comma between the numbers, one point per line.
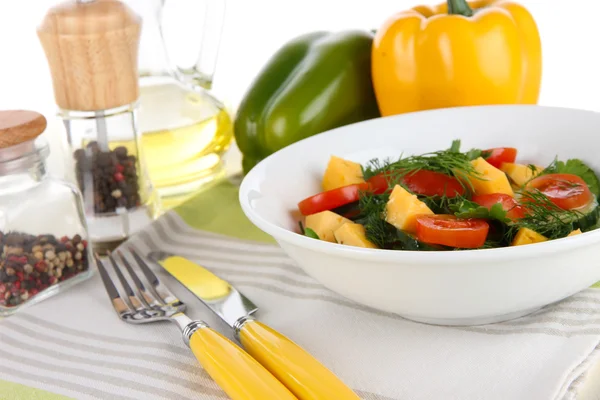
x=457, y=54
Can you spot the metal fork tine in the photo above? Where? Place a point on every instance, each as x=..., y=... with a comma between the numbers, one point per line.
x=120, y=305
x=160, y=290
x=135, y=302
x=141, y=290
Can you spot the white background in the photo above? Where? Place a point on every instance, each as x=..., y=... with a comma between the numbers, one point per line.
x=254, y=29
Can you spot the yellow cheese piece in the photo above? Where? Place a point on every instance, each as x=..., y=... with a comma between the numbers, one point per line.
x=325, y=223
x=520, y=174
x=527, y=236
x=490, y=179
x=575, y=232
x=340, y=173
x=403, y=208
x=353, y=234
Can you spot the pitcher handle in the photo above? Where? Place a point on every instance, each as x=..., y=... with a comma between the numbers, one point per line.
x=201, y=72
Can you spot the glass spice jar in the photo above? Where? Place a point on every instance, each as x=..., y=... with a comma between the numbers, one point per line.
x=107, y=168
x=44, y=245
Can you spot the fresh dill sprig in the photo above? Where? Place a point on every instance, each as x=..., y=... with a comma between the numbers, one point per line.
x=448, y=162
x=442, y=204
x=533, y=169
x=372, y=217
x=545, y=217
x=493, y=244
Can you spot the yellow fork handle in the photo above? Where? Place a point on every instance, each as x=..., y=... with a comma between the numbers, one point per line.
x=238, y=374
x=306, y=377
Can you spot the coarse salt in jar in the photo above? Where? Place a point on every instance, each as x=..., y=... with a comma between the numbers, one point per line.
x=43, y=233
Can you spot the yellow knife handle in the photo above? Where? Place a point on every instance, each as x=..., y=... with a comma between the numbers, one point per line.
x=238, y=374
x=306, y=377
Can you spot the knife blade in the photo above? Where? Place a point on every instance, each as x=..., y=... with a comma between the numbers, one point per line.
x=304, y=375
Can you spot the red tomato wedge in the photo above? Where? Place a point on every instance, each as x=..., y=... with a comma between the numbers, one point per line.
x=567, y=191
x=501, y=155
x=340, y=197
x=513, y=209
x=430, y=183
x=379, y=183
x=447, y=230
x=425, y=183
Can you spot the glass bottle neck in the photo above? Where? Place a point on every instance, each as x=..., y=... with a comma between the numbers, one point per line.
x=152, y=60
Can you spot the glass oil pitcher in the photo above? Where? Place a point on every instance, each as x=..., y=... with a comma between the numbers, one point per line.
x=185, y=129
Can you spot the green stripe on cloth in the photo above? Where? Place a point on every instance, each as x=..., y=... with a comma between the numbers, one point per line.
x=218, y=210
x=15, y=391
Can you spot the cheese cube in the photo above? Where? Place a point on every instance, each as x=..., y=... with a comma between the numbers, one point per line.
x=403, y=208
x=353, y=234
x=340, y=173
x=575, y=232
x=325, y=223
x=490, y=179
x=527, y=236
x=520, y=174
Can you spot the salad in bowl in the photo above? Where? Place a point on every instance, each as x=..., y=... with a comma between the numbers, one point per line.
x=397, y=215
x=451, y=200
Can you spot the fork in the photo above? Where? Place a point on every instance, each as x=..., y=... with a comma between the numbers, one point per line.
x=238, y=374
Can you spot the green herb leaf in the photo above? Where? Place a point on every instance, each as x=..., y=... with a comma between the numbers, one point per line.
x=474, y=154
x=545, y=217
x=372, y=216
x=579, y=168
x=468, y=209
x=447, y=162
x=441, y=204
x=310, y=233
x=455, y=147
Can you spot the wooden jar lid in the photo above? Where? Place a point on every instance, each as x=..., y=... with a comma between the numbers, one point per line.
x=19, y=126
x=92, y=52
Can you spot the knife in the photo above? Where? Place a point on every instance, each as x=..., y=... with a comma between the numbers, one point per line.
x=303, y=375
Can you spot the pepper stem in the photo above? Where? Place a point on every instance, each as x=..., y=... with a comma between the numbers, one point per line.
x=459, y=7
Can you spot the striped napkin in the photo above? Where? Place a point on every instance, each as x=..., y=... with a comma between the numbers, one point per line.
x=73, y=345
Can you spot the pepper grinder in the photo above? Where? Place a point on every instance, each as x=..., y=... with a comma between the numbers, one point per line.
x=92, y=52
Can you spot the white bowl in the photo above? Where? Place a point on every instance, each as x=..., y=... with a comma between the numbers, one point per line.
x=449, y=288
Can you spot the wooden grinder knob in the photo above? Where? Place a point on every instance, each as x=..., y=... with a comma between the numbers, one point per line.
x=92, y=52
x=19, y=126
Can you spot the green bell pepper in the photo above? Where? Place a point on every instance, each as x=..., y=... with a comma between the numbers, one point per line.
x=316, y=82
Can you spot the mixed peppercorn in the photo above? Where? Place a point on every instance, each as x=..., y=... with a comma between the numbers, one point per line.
x=29, y=264
x=114, y=176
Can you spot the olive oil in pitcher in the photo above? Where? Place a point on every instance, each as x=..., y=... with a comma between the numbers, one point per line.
x=185, y=129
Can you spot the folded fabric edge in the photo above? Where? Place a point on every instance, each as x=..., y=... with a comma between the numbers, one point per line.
x=578, y=377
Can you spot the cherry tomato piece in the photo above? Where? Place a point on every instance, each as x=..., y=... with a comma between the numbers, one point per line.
x=378, y=184
x=341, y=196
x=513, y=209
x=447, y=230
x=430, y=183
x=331, y=199
x=501, y=155
x=567, y=191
